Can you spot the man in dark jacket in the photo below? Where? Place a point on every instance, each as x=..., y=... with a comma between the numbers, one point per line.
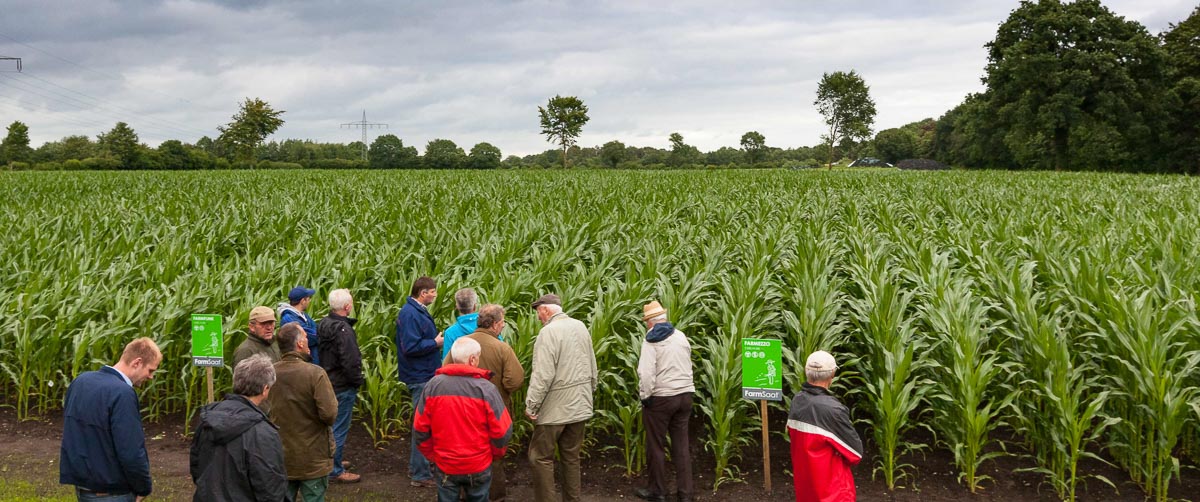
x=418, y=355
x=824, y=443
x=304, y=407
x=236, y=453
x=461, y=425
x=103, y=449
x=296, y=310
x=343, y=363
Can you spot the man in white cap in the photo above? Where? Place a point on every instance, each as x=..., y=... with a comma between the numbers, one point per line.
x=824, y=443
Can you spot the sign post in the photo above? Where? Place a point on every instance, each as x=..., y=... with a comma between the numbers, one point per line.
x=762, y=379
x=208, y=348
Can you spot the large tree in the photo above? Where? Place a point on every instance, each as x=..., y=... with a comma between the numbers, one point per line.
x=15, y=147
x=444, y=154
x=484, y=156
x=120, y=143
x=755, y=146
x=1075, y=86
x=254, y=121
x=894, y=145
x=844, y=99
x=562, y=120
x=682, y=154
x=389, y=152
x=612, y=153
x=1182, y=44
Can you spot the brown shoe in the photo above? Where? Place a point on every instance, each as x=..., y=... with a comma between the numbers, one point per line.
x=346, y=477
x=424, y=483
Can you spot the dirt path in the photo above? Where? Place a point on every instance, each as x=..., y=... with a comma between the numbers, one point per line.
x=29, y=471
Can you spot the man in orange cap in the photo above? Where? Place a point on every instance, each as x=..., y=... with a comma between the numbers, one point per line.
x=665, y=388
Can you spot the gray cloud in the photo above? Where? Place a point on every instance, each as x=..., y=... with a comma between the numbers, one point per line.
x=471, y=71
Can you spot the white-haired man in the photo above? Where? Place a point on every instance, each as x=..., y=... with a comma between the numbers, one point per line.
x=559, y=399
x=824, y=443
x=343, y=362
x=462, y=425
x=665, y=388
x=466, y=303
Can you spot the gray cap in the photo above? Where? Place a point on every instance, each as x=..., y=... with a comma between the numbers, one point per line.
x=547, y=299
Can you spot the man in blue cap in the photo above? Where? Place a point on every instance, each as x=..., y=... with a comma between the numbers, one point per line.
x=294, y=311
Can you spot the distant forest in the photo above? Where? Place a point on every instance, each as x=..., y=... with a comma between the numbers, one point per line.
x=1069, y=86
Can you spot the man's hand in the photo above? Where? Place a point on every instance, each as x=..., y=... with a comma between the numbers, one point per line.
x=531, y=415
x=440, y=339
x=140, y=498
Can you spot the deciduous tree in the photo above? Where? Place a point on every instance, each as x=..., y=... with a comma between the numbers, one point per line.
x=844, y=99
x=444, y=154
x=254, y=121
x=612, y=153
x=755, y=145
x=484, y=156
x=15, y=147
x=120, y=143
x=562, y=121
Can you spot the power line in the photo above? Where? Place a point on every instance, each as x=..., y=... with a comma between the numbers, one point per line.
x=364, y=125
x=62, y=98
x=98, y=72
x=169, y=123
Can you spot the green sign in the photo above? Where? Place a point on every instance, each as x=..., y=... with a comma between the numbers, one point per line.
x=762, y=370
x=207, y=341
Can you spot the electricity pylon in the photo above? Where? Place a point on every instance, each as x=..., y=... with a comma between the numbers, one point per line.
x=364, y=125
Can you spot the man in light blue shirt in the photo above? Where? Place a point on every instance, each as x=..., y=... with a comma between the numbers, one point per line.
x=466, y=302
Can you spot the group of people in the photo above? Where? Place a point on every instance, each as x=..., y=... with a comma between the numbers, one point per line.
x=281, y=432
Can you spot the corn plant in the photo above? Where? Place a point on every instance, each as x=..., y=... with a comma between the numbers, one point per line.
x=892, y=389
x=971, y=393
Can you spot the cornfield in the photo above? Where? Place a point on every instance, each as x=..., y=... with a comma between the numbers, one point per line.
x=1048, y=316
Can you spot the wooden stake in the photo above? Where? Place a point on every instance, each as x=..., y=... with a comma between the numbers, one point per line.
x=208, y=376
x=766, y=443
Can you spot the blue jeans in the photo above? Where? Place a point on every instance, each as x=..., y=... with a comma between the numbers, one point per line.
x=86, y=496
x=475, y=486
x=418, y=466
x=341, y=427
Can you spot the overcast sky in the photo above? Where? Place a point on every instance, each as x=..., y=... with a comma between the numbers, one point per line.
x=474, y=71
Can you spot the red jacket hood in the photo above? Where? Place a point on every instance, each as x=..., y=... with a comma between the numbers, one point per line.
x=464, y=370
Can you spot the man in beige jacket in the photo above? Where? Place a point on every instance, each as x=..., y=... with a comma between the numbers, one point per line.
x=559, y=399
x=665, y=388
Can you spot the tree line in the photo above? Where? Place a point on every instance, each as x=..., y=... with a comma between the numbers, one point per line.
x=1068, y=86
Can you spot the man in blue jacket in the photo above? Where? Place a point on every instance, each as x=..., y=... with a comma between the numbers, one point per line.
x=296, y=310
x=102, y=412
x=418, y=354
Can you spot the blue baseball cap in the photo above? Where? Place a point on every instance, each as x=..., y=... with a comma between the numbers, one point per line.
x=299, y=293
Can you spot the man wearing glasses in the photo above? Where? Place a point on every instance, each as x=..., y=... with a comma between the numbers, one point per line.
x=261, y=338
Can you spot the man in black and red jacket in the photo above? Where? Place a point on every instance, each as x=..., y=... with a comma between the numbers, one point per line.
x=824, y=443
x=461, y=424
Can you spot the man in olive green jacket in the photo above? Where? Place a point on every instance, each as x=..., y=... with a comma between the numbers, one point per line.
x=260, y=339
x=507, y=375
x=559, y=399
x=304, y=407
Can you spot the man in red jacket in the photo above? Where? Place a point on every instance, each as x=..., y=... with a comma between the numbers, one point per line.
x=824, y=443
x=461, y=424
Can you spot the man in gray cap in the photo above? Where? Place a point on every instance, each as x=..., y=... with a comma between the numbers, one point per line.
x=559, y=398
x=824, y=443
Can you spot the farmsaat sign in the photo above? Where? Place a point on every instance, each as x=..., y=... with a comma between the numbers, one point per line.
x=762, y=370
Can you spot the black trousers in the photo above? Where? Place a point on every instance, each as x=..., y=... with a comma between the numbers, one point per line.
x=668, y=415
